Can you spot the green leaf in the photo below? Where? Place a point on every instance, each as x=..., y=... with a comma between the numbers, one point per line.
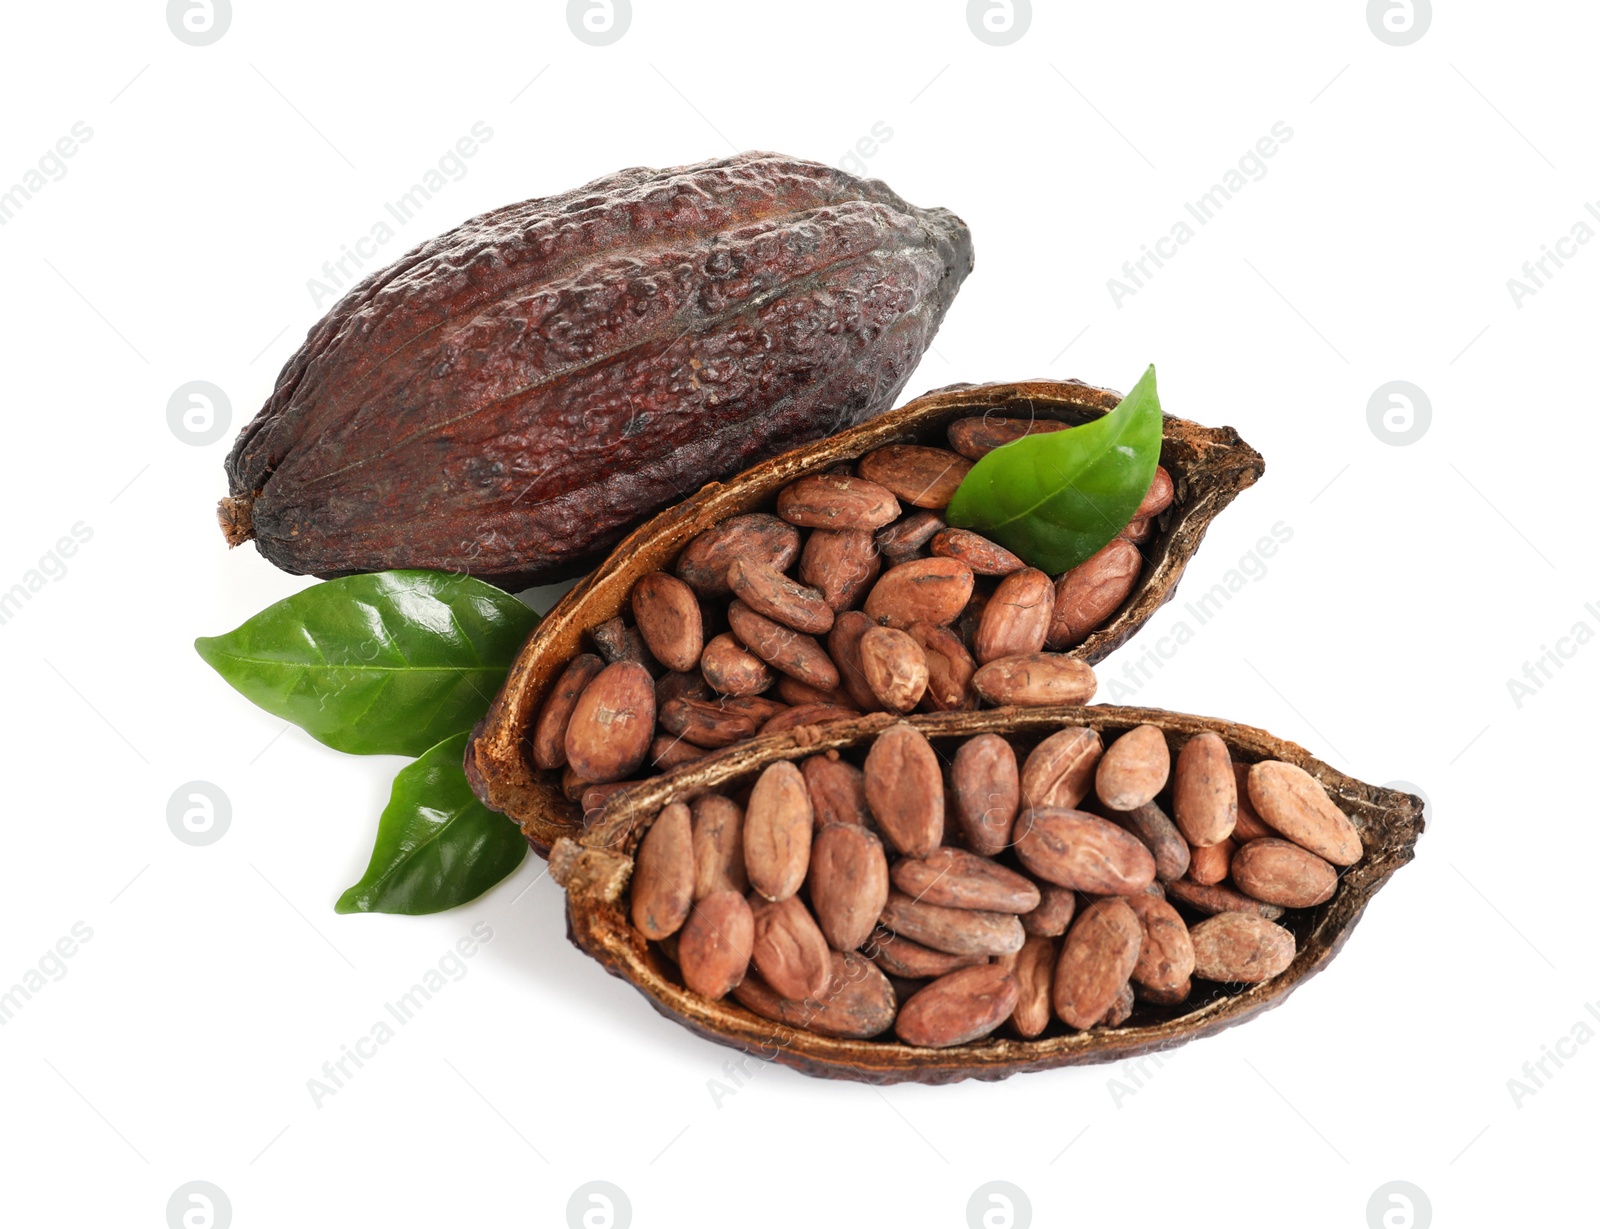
x=1055, y=499
x=386, y=663
x=437, y=845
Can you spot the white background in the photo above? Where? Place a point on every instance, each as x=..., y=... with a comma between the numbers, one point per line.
x=1418, y=580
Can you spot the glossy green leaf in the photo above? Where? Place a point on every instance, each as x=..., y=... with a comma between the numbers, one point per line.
x=437, y=845
x=1055, y=499
x=386, y=663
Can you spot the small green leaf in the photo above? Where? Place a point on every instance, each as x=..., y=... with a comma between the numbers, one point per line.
x=386, y=663
x=1055, y=499
x=437, y=845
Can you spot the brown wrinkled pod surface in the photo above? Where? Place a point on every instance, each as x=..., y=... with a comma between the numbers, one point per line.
x=595, y=871
x=1209, y=467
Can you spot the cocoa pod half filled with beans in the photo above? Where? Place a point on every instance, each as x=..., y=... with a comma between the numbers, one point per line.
x=793, y=563
x=952, y=968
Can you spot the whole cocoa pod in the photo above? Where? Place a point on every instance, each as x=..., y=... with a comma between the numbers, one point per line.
x=509, y=398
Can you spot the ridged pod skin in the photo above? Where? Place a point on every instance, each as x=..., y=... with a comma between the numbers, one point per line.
x=595, y=869
x=509, y=398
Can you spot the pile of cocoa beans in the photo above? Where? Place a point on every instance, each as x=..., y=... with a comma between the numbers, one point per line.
x=886, y=610
x=945, y=901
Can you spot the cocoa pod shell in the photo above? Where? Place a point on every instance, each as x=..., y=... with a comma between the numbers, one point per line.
x=1209, y=467
x=594, y=872
x=466, y=407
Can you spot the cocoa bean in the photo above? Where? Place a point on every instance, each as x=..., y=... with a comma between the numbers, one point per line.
x=1137, y=531
x=958, y=1007
x=840, y=564
x=788, y=949
x=1087, y=595
x=549, y=738
x=905, y=790
x=976, y=438
x=619, y=642
x=898, y=956
x=1097, y=958
x=1219, y=898
x=838, y=791
x=906, y=539
x=920, y=476
x=794, y=653
x=836, y=501
x=732, y=669
x=668, y=617
x=1034, y=968
x=962, y=932
x=924, y=590
x=780, y=599
x=1293, y=802
x=1074, y=849
x=857, y=1002
x=1247, y=825
x=1208, y=864
x=1121, y=1008
x=895, y=668
x=1205, y=800
x=795, y=693
x=807, y=714
x=681, y=685
x=1060, y=770
x=848, y=882
x=707, y=723
x=664, y=874
x=984, y=782
x=844, y=648
x=1159, y=835
x=1054, y=914
x=950, y=669
x=717, y=832
x=573, y=785
x=760, y=709
x=612, y=723
x=1134, y=768
x=1034, y=679
x=714, y=944
x=777, y=831
x=1240, y=947
x=1016, y=618
x=961, y=880
x=1166, y=955
x=1157, y=497
x=754, y=536
x=984, y=557
x=1164, y=998
x=1281, y=873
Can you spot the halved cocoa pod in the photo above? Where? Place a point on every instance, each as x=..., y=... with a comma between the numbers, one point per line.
x=1209, y=467
x=595, y=868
